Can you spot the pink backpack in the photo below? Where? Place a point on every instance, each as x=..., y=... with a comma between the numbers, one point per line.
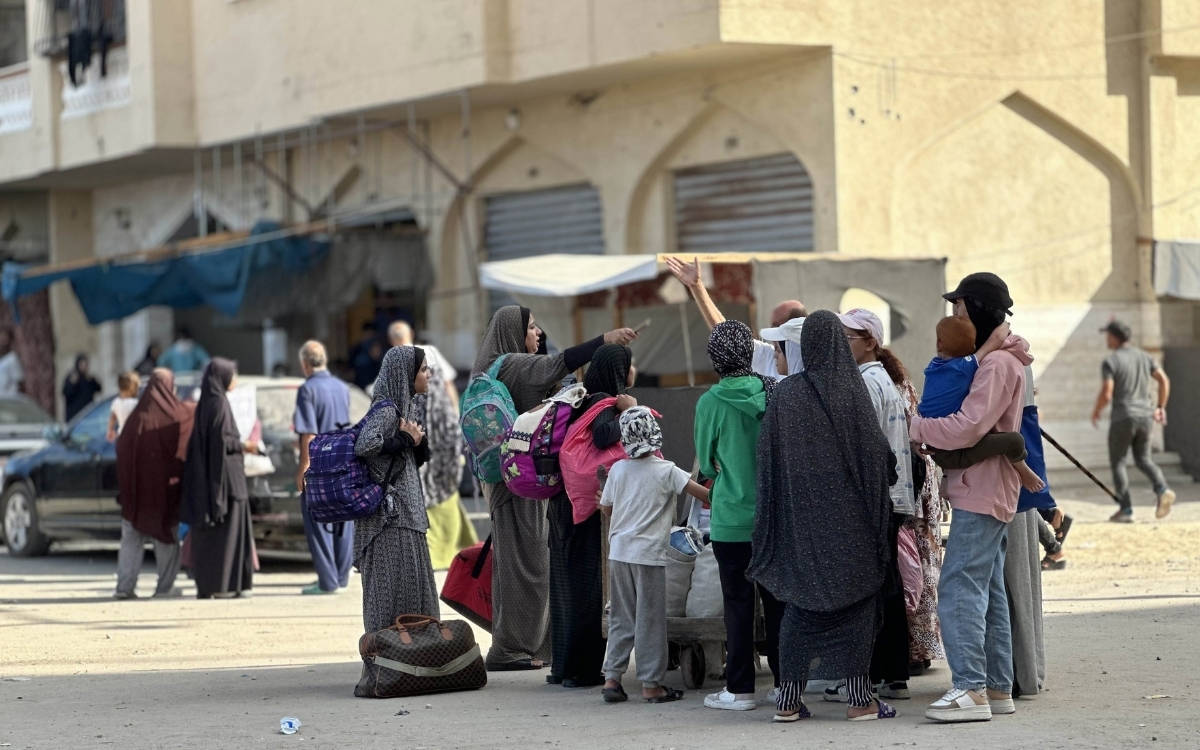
x=529, y=456
x=580, y=458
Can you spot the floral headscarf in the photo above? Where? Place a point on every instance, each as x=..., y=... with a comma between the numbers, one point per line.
x=640, y=432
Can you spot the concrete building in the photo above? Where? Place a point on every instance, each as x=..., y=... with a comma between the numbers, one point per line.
x=1051, y=143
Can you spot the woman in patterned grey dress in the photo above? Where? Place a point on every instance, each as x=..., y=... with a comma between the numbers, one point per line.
x=389, y=546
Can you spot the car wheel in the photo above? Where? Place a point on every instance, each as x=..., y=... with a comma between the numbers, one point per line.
x=21, y=532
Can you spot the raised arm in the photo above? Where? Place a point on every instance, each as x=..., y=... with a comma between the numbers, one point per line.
x=689, y=275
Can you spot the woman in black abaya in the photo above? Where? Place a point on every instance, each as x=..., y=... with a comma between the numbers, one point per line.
x=215, y=501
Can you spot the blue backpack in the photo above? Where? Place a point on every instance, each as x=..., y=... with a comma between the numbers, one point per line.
x=487, y=413
x=337, y=485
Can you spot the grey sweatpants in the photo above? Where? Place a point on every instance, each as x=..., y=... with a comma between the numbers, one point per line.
x=637, y=619
x=133, y=551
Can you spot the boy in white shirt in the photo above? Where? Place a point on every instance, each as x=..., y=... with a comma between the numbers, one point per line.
x=639, y=498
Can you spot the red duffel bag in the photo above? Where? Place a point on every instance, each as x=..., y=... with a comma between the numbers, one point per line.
x=468, y=588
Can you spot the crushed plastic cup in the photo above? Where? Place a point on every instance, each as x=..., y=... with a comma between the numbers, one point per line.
x=289, y=725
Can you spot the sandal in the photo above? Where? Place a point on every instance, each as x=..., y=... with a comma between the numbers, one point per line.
x=1050, y=564
x=884, y=711
x=1064, y=526
x=797, y=715
x=520, y=665
x=614, y=695
x=669, y=695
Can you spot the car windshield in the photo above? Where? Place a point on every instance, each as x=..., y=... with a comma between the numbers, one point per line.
x=93, y=425
x=277, y=405
x=20, y=411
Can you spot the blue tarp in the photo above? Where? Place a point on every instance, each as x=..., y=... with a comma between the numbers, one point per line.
x=218, y=278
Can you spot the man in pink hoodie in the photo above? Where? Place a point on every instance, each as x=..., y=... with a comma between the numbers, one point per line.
x=973, y=605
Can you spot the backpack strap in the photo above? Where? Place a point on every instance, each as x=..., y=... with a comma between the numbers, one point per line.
x=493, y=372
x=477, y=569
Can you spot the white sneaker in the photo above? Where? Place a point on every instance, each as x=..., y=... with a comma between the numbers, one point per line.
x=772, y=696
x=1165, y=500
x=730, y=702
x=837, y=694
x=893, y=690
x=958, y=705
x=1001, y=703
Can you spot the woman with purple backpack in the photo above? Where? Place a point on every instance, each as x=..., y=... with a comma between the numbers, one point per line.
x=520, y=555
x=576, y=549
x=389, y=546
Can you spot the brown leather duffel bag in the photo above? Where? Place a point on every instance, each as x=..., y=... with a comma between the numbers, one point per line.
x=419, y=655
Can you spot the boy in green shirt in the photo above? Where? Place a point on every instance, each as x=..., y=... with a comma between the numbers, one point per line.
x=728, y=417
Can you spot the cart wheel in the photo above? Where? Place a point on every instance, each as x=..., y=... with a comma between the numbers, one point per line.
x=691, y=665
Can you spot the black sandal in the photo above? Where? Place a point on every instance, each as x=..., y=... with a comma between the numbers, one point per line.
x=669, y=695
x=614, y=695
x=1064, y=526
x=1050, y=564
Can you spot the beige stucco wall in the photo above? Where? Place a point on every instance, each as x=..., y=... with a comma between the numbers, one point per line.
x=1009, y=137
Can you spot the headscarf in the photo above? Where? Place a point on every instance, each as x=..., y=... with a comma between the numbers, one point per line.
x=731, y=349
x=504, y=335
x=528, y=377
x=640, y=432
x=824, y=469
x=609, y=371
x=440, y=476
x=215, y=475
x=150, y=458
x=404, y=505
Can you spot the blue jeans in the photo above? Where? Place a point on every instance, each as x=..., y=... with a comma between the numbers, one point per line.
x=973, y=604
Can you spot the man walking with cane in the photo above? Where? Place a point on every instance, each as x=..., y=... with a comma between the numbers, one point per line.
x=1126, y=375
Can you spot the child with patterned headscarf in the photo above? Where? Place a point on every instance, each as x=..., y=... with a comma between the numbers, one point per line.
x=728, y=418
x=639, y=498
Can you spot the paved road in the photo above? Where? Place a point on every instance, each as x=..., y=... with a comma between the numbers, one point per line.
x=81, y=670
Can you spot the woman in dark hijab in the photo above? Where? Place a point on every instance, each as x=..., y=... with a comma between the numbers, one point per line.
x=150, y=455
x=79, y=388
x=576, y=562
x=520, y=557
x=390, y=549
x=821, y=530
x=215, y=501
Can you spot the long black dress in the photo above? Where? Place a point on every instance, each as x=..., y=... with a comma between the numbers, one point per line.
x=576, y=552
x=215, y=500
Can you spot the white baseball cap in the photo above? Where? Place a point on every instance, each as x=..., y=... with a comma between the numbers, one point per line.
x=789, y=333
x=789, y=330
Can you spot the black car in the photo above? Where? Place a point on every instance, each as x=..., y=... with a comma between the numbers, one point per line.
x=68, y=489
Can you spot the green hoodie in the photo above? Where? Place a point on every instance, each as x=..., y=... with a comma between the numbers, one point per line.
x=728, y=418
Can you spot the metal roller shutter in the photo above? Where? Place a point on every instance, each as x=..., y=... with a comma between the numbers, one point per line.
x=567, y=219
x=752, y=205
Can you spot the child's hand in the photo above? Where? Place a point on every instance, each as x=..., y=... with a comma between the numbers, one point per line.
x=1000, y=335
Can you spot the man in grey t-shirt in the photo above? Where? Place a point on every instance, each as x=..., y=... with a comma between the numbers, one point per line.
x=1125, y=382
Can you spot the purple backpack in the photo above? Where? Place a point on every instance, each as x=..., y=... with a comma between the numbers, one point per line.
x=529, y=454
x=337, y=484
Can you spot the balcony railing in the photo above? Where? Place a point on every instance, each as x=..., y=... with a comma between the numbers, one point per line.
x=16, y=99
x=96, y=92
